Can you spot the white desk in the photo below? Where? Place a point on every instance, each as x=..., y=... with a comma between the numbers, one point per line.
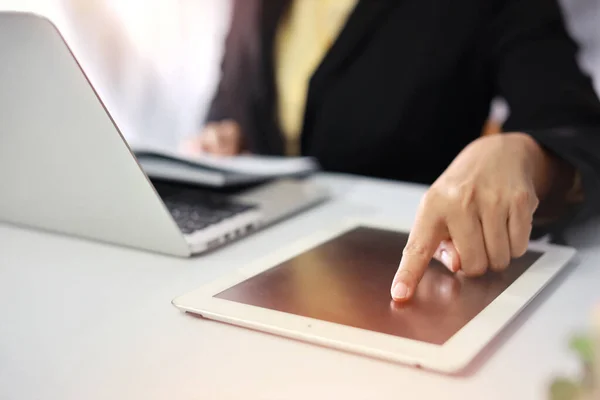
x=81, y=320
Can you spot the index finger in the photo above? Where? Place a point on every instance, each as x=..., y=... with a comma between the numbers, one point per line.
x=424, y=238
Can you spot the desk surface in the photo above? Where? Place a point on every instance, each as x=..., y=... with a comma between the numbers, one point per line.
x=82, y=320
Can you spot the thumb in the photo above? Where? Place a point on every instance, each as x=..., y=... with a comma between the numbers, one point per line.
x=447, y=254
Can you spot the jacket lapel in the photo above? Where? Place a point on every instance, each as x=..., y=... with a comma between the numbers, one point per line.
x=354, y=35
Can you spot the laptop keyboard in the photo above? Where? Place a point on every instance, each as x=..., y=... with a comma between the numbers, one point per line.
x=195, y=210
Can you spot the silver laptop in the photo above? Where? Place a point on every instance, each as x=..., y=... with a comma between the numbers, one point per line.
x=65, y=167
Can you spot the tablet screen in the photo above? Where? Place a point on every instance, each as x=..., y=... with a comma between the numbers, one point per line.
x=347, y=280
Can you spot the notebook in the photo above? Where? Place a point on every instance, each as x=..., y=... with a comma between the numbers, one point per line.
x=219, y=171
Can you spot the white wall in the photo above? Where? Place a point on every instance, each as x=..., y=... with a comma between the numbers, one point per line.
x=583, y=21
x=154, y=62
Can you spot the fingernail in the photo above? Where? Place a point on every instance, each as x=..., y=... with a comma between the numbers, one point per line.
x=399, y=291
x=447, y=260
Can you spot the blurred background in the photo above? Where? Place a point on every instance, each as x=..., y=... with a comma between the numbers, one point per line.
x=156, y=62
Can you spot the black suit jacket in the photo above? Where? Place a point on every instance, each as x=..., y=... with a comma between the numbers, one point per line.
x=408, y=84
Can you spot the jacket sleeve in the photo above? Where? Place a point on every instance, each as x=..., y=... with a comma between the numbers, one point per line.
x=550, y=98
x=227, y=100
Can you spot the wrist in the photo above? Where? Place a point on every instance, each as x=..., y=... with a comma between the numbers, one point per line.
x=542, y=167
x=553, y=178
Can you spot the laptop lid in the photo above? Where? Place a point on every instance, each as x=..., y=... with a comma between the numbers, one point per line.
x=64, y=166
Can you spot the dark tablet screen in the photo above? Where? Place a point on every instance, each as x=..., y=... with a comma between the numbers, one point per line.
x=347, y=281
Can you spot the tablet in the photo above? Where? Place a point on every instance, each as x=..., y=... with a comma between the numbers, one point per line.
x=333, y=289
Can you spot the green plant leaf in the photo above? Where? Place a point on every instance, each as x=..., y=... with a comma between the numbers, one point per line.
x=564, y=389
x=584, y=348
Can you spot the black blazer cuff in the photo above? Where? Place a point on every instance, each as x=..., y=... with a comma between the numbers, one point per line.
x=581, y=148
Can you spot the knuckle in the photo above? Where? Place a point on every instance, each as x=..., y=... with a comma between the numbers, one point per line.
x=519, y=242
x=415, y=249
x=462, y=196
x=500, y=264
x=475, y=273
x=519, y=249
x=431, y=197
x=477, y=269
x=523, y=199
x=535, y=202
x=492, y=199
x=456, y=196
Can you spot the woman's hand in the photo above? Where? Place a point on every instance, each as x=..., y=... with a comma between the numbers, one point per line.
x=478, y=214
x=222, y=138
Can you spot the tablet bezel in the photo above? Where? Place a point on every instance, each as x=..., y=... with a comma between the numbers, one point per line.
x=452, y=356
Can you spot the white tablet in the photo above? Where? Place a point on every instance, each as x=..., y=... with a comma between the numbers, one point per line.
x=333, y=289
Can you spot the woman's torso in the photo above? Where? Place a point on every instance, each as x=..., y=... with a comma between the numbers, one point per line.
x=403, y=89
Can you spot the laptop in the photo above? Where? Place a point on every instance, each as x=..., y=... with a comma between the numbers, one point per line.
x=65, y=166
